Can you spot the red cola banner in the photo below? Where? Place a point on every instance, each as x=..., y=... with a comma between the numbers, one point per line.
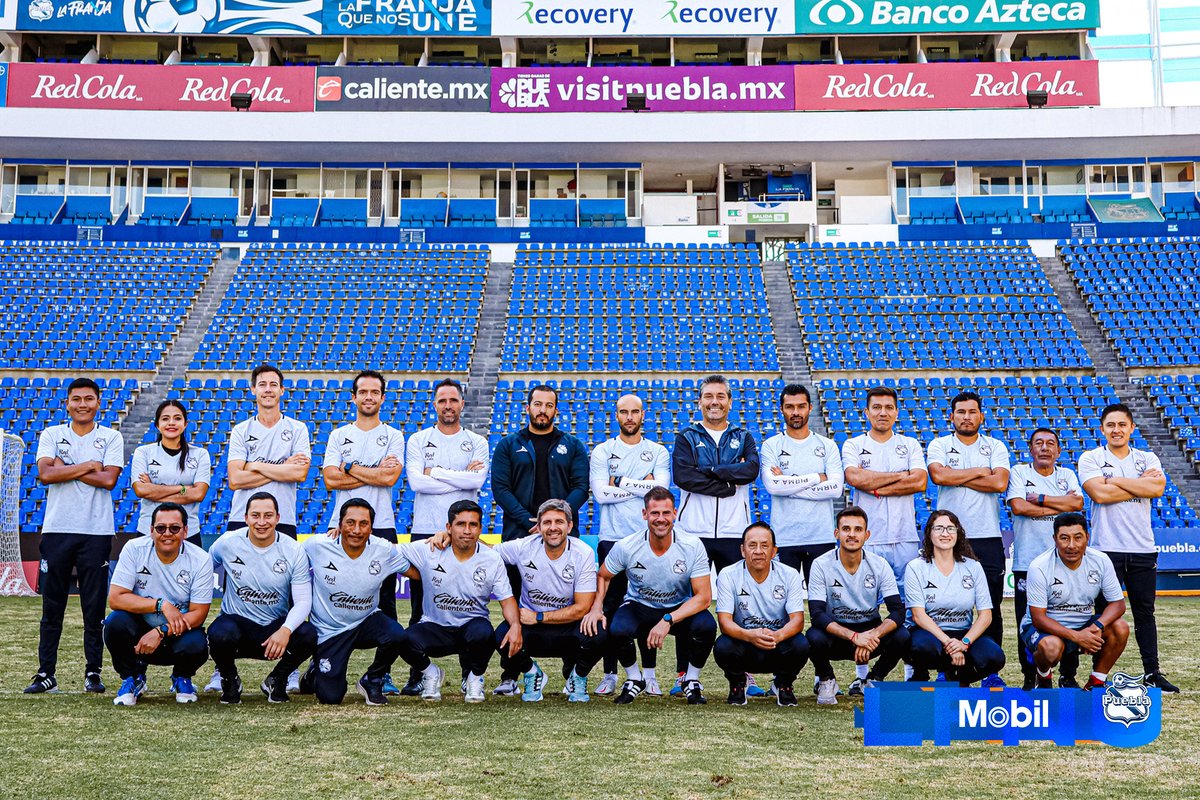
x=159, y=88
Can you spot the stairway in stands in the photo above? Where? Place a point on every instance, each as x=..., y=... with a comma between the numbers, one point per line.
x=1104, y=358
x=181, y=352
x=789, y=338
x=489, y=342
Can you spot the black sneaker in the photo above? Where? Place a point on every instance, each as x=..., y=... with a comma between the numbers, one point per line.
x=308, y=681
x=1156, y=679
x=276, y=689
x=1030, y=683
x=920, y=676
x=629, y=692
x=372, y=690
x=231, y=690
x=693, y=692
x=1068, y=682
x=737, y=694
x=92, y=683
x=785, y=696
x=413, y=687
x=41, y=683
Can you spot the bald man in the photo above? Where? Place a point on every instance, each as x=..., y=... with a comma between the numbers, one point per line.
x=622, y=470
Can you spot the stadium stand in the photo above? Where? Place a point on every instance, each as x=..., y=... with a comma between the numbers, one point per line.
x=1177, y=398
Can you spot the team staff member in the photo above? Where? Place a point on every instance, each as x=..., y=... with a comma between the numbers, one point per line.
x=1122, y=481
x=79, y=463
x=972, y=472
x=270, y=451
x=160, y=595
x=266, y=596
x=1037, y=493
x=760, y=609
x=622, y=470
x=942, y=587
x=171, y=469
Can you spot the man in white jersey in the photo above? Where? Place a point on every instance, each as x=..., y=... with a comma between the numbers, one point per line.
x=802, y=471
x=760, y=608
x=972, y=472
x=460, y=582
x=347, y=572
x=622, y=470
x=79, y=463
x=271, y=452
x=845, y=588
x=160, y=595
x=1123, y=481
x=364, y=459
x=266, y=595
x=1037, y=493
x=668, y=594
x=1065, y=584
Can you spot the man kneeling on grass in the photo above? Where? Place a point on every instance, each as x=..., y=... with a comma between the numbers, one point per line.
x=1063, y=586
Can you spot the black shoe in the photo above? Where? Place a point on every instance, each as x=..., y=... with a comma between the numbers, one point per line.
x=737, y=694
x=276, y=689
x=231, y=690
x=372, y=690
x=920, y=676
x=629, y=692
x=413, y=687
x=308, y=681
x=1156, y=679
x=785, y=695
x=92, y=683
x=1030, y=683
x=1067, y=682
x=42, y=683
x=693, y=692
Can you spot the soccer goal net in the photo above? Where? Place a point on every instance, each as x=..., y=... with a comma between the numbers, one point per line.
x=12, y=575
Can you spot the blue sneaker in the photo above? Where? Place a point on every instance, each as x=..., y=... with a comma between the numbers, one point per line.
x=184, y=691
x=992, y=681
x=941, y=678
x=534, y=680
x=677, y=689
x=131, y=689
x=753, y=690
x=579, y=690
x=388, y=686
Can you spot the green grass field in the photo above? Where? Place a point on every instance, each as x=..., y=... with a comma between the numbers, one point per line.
x=72, y=745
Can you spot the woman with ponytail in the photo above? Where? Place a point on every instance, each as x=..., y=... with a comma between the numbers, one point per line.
x=171, y=470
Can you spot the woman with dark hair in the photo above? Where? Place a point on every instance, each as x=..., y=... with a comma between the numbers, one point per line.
x=170, y=469
x=947, y=597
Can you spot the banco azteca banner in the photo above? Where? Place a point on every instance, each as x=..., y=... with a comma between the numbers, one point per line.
x=943, y=16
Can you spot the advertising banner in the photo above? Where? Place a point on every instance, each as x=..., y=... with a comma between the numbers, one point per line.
x=159, y=88
x=232, y=17
x=1178, y=549
x=665, y=89
x=407, y=17
x=1136, y=209
x=900, y=87
x=551, y=18
x=882, y=17
x=3, y=84
x=402, y=89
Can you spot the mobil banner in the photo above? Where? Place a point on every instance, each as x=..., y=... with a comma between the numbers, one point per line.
x=551, y=18
x=882, y=17
x=159, y=88
x=888, y=87
x=402, y=89
x=407, y=17
x=664, y=88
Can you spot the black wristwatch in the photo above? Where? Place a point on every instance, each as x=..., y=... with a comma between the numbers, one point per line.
x=539, y=616
x=1098, y=624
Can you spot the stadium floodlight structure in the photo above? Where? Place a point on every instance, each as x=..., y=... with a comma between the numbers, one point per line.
x=240, y=101
x=12, y=574
x=635, y=102
x=1037, y=98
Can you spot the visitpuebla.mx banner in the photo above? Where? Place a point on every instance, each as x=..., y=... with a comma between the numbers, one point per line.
x=402, y=89
x=159, y=88
x=877, y=17
x=643, y=17
x=665, y=89
x=898, y=87
x=230, y=17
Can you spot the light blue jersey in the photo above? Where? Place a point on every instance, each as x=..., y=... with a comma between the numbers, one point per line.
x=769, y=604
x=550, y=585
x=186, y=580
x=801, y=503
x=260, y=583
x=1033, y=536
x=345, y=589
x=457, y=592
x=1069, y=595
x=658, y=581
x=949, y=600
x=856, y=598
x=637, y=468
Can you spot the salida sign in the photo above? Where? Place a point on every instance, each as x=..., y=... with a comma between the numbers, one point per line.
x=159, y=88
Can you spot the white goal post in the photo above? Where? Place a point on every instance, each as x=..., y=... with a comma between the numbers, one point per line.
x=12, y=574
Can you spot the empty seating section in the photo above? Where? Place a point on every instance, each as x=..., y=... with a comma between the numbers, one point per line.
x=1013, y=408
x=994, y=210
x=638, y=308
x=423, y=212
x=933, y=211
x=163, y=210
x=1180, y=205
x=36, y=209
x=346, y=306
x=937, y=306
x=87, y=210
x=1177, y=398
x=1066, y=208
x=30, y=405
x=294, y=212
x=1144, y=295
x=586, y=408
x=343, y=212
x=213, y=211
x=70, y=305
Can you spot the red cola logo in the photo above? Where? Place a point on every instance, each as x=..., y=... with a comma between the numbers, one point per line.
x=843, y=87
x=95, y=87
x=1016, y=85
x=198, y=90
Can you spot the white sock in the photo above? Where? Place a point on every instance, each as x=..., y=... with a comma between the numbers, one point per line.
x=861, y=670
x=1045, y=674
x=430, y=671
x=908, y=672
x=472, y=676
x=633, y=672
x=648, y=674
x=1100, y=676
x=692, y=674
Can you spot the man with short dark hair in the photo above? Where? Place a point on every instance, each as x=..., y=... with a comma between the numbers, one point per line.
x=160, y=595
x=79, y=463
x=1123, y=481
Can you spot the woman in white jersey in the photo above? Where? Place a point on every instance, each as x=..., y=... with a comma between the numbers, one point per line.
x=170, y=469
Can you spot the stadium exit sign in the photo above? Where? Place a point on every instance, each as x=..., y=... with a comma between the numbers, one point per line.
x=944, y=16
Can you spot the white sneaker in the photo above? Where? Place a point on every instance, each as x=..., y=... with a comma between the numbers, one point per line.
x=431, y=682
x=652, y=687
x=475, y=693
x=293, y=682
x=214, y=683
x=505, y=688
x=827, y=692
x=608, y=685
